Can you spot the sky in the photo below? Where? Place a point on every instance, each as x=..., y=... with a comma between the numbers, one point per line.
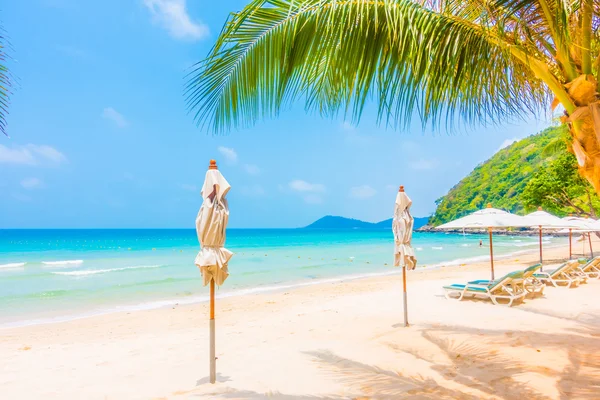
x=100, y=136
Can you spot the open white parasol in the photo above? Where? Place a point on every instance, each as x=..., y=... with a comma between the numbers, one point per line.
x=488, y=218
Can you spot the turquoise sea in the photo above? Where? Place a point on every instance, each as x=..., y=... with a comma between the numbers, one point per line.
x=51, y=275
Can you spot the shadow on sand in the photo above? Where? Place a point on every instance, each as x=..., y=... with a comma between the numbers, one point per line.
x=473, y=369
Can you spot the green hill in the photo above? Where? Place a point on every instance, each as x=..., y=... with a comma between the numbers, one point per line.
x=535, y=171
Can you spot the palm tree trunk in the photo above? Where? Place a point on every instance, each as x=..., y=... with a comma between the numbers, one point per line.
x=584, y=125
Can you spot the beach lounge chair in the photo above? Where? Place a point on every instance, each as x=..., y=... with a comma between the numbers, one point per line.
x=591, y=268
x=530, y=283
x=509, y=287
x=563, y=276
x=577, y=272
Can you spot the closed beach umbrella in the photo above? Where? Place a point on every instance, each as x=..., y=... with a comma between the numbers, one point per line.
x=212, y=259
x=402, y=226
x=544, y=220
x=488, y=218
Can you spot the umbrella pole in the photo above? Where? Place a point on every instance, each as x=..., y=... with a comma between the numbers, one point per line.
x=541, y=256
x=590, y=240
x=213, y=360
x=491, y=252
x=404, y=293
x=570, y=246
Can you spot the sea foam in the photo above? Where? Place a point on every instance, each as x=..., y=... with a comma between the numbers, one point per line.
x=104, y=271
x=12, y=265
x=63, y=262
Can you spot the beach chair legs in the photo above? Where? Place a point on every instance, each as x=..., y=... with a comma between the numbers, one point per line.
x=449, y=292
x=534, y=288
x=561, y=282
x=499, y=300
x=496, y=302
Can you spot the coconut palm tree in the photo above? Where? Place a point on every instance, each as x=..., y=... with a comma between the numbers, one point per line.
x=478, y=61
x=4, y=82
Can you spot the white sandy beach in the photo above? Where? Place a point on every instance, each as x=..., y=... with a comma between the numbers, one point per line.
x=329, y=341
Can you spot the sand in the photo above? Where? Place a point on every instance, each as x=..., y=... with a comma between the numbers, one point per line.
x=339, y=340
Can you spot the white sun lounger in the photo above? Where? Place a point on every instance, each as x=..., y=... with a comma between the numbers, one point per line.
x=563, y=276
x=509, y=288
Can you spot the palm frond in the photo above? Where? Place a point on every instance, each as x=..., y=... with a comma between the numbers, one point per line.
x=411, y=58
x=5, y=82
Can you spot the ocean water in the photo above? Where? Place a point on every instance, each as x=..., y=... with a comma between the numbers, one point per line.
x=52, y=275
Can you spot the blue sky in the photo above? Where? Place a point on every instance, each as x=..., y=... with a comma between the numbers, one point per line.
x=100, y=137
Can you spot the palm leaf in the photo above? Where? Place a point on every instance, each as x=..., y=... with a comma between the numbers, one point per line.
x=437, y=60
x=5, y=82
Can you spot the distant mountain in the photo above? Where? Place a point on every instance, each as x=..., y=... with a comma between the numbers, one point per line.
x=387, y=224
x=333, y=222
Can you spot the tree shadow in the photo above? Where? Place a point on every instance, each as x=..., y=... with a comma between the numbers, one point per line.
x=233, y=394
x=482, y=368
x=377, y=383
x=475, y=369
x=587, y=323
x=580, y=378
x=366, y=381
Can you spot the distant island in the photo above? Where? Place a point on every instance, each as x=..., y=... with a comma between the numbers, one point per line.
x=333, y=222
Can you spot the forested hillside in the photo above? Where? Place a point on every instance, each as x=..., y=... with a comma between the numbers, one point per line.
x=536, y=171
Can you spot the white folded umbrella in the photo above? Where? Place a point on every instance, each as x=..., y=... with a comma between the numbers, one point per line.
x=402, y=226
x=211, y=223
x=213, y=257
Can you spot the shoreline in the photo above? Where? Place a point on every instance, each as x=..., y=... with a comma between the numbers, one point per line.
x=245, y=291
x=343, y=340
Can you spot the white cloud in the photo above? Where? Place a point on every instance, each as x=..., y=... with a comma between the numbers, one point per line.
x=31, y=154
x=507, y=143
x=229, y=154
x=49, y=153
x=19, y=155
x=311, y=192
x=252, y=191
x=303, y=186
x=423, y=165
x=313, y=199
x=172, y=16
x=362, y=192
x=188, y=187
x=113, y=115
x=252, y=169
x=31, y=183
